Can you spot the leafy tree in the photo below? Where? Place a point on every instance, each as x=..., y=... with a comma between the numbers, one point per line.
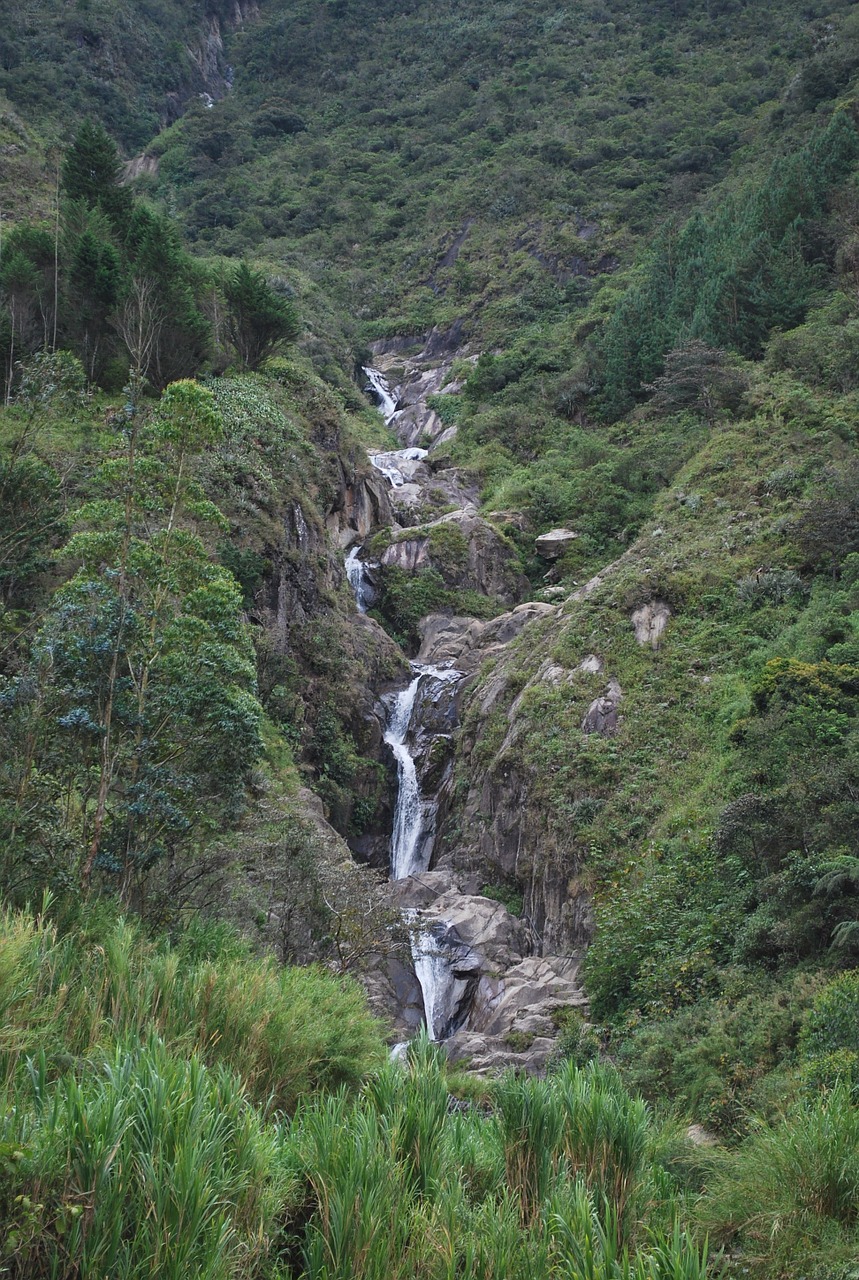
x=259, y=320
x=798, y=753
x=32, y=508
x=696, y=377
x=26, y=296
x=136, y=721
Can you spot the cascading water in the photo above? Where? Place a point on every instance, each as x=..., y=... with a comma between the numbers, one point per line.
x=443, y=965
x=407, y=814
x=409, y=855
x=436, y=957
x=446, y=989
x=377, y=385
x=392, y=466
x=356, y=572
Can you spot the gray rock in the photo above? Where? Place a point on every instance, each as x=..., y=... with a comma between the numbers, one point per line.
x=602, y=715
x=408, y=554
x=467, y=642
x=650, y=621
x=489, y=1055
x=538, y=984
x=553, y=544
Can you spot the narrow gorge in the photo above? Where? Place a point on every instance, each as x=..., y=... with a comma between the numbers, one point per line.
x=487, y=987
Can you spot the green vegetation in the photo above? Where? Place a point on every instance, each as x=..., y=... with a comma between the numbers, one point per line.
x=405, y=598
x=139, y=1152
x=637, y=226
x=109, y=279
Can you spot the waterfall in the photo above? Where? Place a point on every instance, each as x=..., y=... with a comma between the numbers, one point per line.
x=407, y=856
x=377, y=385
x=446, y=971
x=356, y=572
x=391, y=464
x=407, y=814
x=445, y=968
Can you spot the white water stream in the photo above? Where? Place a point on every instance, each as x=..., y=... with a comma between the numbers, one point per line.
x=356, y=572
x=378, y=384
x=442, y=989
x=393, y=465
x=408, y=858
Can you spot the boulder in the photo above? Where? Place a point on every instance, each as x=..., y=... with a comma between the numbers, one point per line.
x=650, y=621
x=537, y=985
x=552, y=545
x=489, y=1055
x=467, y=642
x=408, y=554
x=602, y=715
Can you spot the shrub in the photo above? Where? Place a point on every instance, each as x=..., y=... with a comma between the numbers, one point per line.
x=792, y=1188
x=775, y=586
x=578, y=1041
x=832, y=1023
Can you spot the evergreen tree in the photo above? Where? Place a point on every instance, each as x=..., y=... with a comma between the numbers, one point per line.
x=92, y=172
x=93, y=290
x=182, y=342
x=259, y=321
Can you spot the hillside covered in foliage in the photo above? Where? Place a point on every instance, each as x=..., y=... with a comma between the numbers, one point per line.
x=607, y=255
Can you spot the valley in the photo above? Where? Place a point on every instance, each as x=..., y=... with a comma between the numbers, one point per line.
x=429, y=605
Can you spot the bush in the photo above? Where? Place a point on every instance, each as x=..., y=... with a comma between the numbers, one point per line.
x=792, y=1190
x=832, y=1023
x=578, y=1041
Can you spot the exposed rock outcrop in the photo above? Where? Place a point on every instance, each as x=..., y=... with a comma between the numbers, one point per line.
x=418, y=369
x=362, y=503
x=650, y=621
x=552, y=545
x=467, y=642
x=602, y=715
x=466, y=550
x=492, y=999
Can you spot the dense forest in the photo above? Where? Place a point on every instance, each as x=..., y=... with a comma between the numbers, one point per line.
x=603, y=260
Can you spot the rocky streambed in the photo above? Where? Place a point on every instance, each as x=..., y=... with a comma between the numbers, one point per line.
x=480, y=976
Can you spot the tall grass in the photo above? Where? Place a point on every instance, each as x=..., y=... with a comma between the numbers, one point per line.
x=360, y=1193
x=140, y=1134
x=144, y=1165
x=413, y=1106
x=792, y=1189
x=606, y=1138
x=585, y=1247
x=532, y=1122
x=286, y=1031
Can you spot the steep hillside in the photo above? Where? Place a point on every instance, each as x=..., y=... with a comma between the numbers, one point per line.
x=134, y=67
x=430, y=542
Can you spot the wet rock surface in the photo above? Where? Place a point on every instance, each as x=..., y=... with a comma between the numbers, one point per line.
x=498, y=1008
x=486, y=981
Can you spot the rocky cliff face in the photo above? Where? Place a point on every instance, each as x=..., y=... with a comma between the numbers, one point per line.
x=511, y=732
x=486, y=981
